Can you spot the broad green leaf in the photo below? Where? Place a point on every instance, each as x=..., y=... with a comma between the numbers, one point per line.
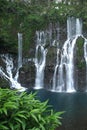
x=42, y=127
x=18, y=119
x=35, y=118
x=24, y=125
x=11, y=126
x=10, y=105
x=5, y=111
x=35, y=111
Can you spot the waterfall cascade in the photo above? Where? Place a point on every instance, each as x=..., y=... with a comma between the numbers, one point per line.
x=40, y=59
x=63, y=79
x=8, y=72
x=19, y=50
x=46, y=38
x=85, y=56
x=55, y=78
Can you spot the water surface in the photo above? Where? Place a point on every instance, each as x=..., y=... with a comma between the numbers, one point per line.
x=75, y=105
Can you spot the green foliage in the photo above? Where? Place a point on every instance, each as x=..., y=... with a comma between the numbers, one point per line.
x=21, y=111
x=27, y=17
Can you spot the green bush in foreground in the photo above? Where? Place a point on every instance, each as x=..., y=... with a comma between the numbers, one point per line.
x=21, y=111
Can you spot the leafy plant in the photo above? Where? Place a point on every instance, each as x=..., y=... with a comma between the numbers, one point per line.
x=21, y=111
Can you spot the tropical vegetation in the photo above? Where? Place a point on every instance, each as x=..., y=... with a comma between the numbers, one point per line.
x=31, y=15
x=23, y=111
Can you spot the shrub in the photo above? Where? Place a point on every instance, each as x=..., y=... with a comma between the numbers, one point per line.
x=21, y=111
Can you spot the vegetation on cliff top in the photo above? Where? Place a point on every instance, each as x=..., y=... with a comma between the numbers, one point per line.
x=27, y=17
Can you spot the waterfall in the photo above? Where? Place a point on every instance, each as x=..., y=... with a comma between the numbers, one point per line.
x=63, y=79
x=71, y=27
x=8, y=73
x=19, y=50
x=64, y=72
x=70, y=66
x=85, y=56
x=78, y=26
x=40, y=59
x=66, y=67
x=19, y=55
x=53, y=34
x=55, y=72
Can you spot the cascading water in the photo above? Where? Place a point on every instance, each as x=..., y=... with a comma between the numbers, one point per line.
x=71, y=27
x=85, y=56
x=69, y=66
x=40, y=60
x=8, y=73
x=78, y=27
x=65, y=80
x=19, y=50
x=55, y=72
x=64, y=72
x=19, y=55
x=53, y=34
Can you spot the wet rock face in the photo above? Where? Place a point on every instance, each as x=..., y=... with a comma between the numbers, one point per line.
x=27, y=75
x=4, y=83
x=48, y=77
x=80, y=65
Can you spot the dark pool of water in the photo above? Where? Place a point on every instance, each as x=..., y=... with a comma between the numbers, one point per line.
x=75, y=105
